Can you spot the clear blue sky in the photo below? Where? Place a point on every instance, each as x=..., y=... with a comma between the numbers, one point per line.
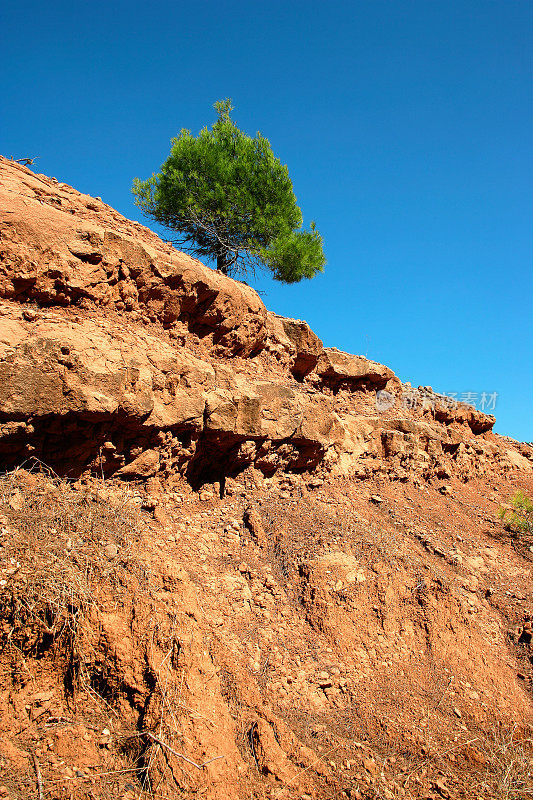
x=407, y=127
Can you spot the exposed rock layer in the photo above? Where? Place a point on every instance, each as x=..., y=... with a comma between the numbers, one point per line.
x=119, y=355
x=63, y=248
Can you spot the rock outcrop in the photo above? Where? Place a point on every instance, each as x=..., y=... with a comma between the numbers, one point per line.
x=120, y=355
x=63, y=248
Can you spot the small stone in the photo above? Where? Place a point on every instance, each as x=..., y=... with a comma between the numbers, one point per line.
x=42, y=697
x=16, y=501
x=375, y=498
x=457, y=712
x=161, y=516
x=29, y=314
x=370, y=765
x=441, y=788
x=111, y=550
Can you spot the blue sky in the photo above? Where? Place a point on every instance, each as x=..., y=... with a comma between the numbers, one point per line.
x=406, y=126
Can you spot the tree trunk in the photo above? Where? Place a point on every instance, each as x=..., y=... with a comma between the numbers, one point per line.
x=222, y=263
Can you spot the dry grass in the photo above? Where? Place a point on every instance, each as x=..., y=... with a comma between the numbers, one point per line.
x=57, y=545
x=509, y=770
x=502, y=768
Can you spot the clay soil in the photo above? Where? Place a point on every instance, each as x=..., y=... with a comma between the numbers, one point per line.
x=345, y=639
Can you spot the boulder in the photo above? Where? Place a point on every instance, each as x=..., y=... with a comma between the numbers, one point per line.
x=144, y=466
x=519, y=461
x=336, y=368
x=307, y=346
x=277, y=342
x=464, y=414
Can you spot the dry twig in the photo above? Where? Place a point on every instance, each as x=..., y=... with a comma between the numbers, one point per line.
x=38, y=775
x=161, y=743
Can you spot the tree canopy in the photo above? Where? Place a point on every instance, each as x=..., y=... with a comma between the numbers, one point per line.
x=231, y=200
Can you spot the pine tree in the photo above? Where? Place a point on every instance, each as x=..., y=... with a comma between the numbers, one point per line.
x=231, y=200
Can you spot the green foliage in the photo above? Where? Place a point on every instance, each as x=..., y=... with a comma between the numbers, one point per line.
x=230, y=199
x=518, y=518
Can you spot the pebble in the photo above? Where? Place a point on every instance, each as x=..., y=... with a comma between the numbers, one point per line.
x=111, y=551
x=370, y=765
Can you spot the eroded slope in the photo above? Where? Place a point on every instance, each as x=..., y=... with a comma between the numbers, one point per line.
x=262, y=579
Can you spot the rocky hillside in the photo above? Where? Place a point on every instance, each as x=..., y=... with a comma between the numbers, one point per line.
x=235, y=563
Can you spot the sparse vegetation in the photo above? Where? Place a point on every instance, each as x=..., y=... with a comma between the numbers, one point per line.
x=509, y=768
x=57, y=544
x=518, y=516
